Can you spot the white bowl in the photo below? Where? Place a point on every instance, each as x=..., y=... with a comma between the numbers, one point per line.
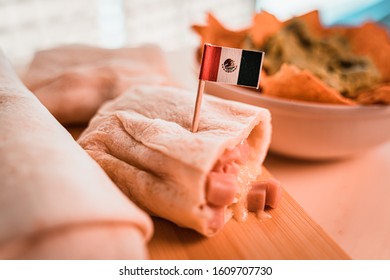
x=315, y=131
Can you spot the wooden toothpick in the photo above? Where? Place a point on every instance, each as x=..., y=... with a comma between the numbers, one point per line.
x=195, y=120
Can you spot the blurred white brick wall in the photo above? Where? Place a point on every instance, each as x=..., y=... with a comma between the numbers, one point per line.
x=30, y=25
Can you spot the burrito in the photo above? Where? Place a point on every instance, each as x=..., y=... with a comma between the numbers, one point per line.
x=73, y=81
x=55, y=200
x=143, y=141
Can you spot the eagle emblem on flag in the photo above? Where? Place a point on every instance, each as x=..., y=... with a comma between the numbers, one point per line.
x=229, y=65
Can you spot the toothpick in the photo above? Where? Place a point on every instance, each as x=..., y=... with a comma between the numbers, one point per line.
x=195, y=120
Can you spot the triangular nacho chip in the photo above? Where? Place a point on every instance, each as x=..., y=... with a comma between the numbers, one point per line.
x=215, y=33
x=292, y=83
x=264, y=25
x=373, y=41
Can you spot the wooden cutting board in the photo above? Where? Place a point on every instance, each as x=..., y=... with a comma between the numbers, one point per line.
x=289, y=234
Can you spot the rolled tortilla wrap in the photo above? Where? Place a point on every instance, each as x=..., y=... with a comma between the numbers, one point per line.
x=142, y=139
x=55, y=200
x=73, y=81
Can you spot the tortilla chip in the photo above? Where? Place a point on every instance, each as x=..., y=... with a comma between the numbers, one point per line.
x=215, y=33
x=292, y=83
x=372, y=40
x=313, y=21
x=379, y=95
x=258, y=33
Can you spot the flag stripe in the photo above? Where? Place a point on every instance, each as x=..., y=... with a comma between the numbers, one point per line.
x=229, y=77
x=210, y=63
x=250, y=68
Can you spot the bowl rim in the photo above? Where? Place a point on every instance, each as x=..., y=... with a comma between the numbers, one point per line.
x=371, y=111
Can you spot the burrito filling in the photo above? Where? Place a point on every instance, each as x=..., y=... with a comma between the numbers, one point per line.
x=234, y=186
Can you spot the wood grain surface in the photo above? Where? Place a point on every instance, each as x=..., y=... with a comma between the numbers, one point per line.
x=288, y=234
